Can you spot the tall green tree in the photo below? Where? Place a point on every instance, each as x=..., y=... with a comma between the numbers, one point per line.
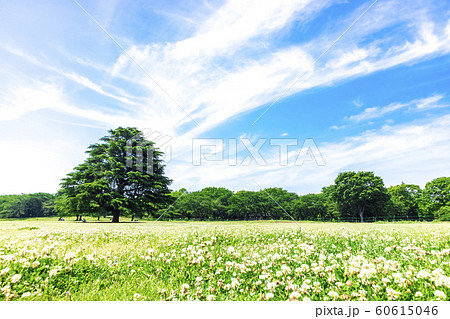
x=360, y=194
x=310, y=207
x=278, y=202
x=405, y=200
x=122, y=175
x=249, y=205
x=436, y=195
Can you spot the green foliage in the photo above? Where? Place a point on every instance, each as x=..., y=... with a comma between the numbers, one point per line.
x=27, y=205
x=360, y=194
x=436, y=195
x=445, y=213
x=354, y=196
x=232, y=261
x=123, y=175
x=311, y=207
x=213, y=203
x=405, y=199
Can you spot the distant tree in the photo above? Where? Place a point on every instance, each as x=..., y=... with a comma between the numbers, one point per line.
x=123, y=175
x=445, y=213
x=209, y=203
x=360, y=194
x=436, y=195
x=332, y=209
x=26, y=205
x=245, y=205
x=278, y=202
x=310, y=207
x=405, y=200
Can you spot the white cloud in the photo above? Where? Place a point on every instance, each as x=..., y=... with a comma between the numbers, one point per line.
x=413, y=152
x=198, y=75
x=228, y=66
x=430, y=102
x=418, y=105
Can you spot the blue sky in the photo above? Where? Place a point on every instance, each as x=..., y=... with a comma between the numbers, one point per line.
x=376, y=99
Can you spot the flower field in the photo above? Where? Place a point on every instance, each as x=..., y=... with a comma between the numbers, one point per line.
x=50, y=260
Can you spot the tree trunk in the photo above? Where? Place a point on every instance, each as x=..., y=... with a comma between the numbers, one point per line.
x=77, y=218
x=361, y=214
x=132, y=217
x=98, y=218
x=115, y=217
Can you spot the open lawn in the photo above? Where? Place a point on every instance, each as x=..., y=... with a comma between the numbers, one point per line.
x=49, y=260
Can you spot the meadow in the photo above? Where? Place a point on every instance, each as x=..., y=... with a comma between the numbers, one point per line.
x=50, y=260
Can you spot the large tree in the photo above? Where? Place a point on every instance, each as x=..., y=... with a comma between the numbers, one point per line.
x=122, y=175
x=360, y=193
x=405, y=200
x=310, y=207
x=436, y=195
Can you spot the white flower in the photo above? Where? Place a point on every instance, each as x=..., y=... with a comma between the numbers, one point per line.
x=440, y=294
x=234, y=282
x=276, y=256
x=231, y=250
x=269, y=295
x=285, y=269
x=211, y=298
x=136, y=296
x=26, y=294
x=271, y=286
x=294, y=295
x=333, y=294
x=54, y=272
x=4, y=271
x=392, y=294
x=35, y=264
x=69, y=256
x=15, y=278
x=418, y=294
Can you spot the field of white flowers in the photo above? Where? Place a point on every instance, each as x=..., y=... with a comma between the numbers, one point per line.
x=50, y=260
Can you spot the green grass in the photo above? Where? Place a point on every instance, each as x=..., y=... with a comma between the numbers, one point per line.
x=49, y=260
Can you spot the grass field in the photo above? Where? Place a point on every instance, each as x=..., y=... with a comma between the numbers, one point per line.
x=50, y=260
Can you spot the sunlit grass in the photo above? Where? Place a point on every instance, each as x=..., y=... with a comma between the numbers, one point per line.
x=272, y=260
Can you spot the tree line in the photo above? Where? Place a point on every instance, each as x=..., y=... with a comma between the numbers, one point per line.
x=27, y=205
x=354, y=196
x=123, y=175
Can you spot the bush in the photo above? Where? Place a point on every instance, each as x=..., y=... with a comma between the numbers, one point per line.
x=445, y=213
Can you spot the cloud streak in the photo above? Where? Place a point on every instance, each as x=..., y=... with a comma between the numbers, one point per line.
x=416, y=105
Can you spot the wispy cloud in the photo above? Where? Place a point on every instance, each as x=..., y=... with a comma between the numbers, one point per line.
x=236, y=59
x=214, y=92
x=397, y=153
x=418, y=105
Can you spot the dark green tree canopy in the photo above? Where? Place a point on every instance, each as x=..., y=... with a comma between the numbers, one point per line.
x=26, y=205
x=405, y=200
x=436, y=195
x=123, y=175
x=360, y=193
